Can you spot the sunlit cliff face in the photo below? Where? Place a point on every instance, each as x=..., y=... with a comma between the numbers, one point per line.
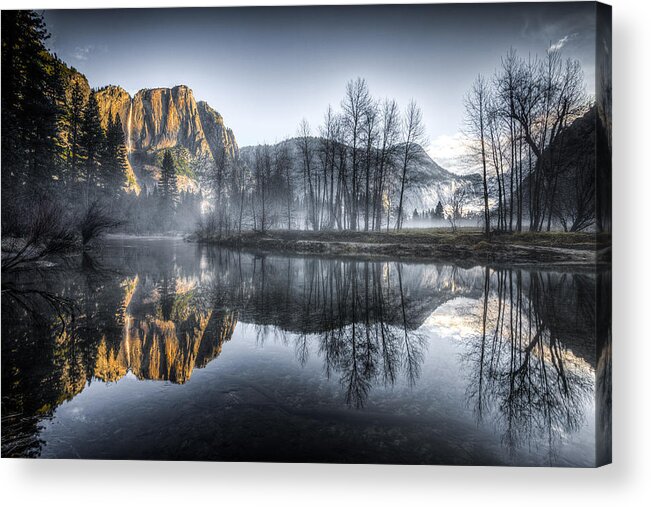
x=161, y=118
x=158, y=119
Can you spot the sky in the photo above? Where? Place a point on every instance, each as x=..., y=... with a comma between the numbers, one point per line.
x=265, y=69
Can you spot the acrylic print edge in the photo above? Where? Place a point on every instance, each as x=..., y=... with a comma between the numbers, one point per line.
x=603, y=322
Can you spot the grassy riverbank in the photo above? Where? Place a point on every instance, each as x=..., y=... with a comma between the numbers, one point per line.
x=433, y=244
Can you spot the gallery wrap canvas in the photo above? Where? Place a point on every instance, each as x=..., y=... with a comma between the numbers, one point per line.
x=333, y=234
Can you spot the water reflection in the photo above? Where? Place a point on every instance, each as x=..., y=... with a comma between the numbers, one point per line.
x=530, y=371
x=526, y=345
x=362, y=318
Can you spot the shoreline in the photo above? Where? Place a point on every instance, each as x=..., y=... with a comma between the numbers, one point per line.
x=557, y=250
x=581, y=250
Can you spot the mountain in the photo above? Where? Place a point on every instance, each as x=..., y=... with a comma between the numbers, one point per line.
x=157, y=119
x=430, y=183
x=568, y=167
x=154, y=120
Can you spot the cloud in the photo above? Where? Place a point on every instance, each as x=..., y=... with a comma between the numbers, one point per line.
x=558, y=45
x=81, y=53
x=452, y=153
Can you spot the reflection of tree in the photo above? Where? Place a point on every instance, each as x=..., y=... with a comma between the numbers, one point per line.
x=358, y=316
x=364, y=339
x=167, y=297
x=62, y=331
x=603, y=391
x=523, y=370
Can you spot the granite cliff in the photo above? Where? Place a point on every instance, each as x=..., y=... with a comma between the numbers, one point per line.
x=166, y=118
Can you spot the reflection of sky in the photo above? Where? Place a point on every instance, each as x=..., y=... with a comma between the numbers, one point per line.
x=462, y=319
x=266, y=68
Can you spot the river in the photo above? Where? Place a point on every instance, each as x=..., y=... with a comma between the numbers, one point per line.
x=161, y=349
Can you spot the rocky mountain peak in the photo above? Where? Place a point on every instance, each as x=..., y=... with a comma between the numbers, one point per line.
x=113, y=100
x=156, y=119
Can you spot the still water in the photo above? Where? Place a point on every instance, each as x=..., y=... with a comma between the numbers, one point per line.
x=159, y=349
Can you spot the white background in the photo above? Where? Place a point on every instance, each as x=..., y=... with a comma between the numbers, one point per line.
x=626, y=482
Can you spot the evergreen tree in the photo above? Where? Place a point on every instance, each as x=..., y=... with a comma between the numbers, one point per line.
x=438, y=213
x=74, y=121
x=115, y=164
x=167, y=185
x=31, y=86
x=93, y=143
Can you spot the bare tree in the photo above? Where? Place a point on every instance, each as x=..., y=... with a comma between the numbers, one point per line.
x=283, y=164
x=328, y=151
x=44, y=232
x=95, y=222
x=540, y=98
x=261, y=177
x=240, y=178
x=476, y=104
x=413, y=142
x=217, y=185
x=456, y=202
x=369, y=135
x=497, y=143
x=354, y=105
x=389, y=133
x=307, y=156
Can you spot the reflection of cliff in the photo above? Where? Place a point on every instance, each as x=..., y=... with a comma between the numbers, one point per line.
x=566, y=305
x=164, y=350
x=77, y=326
x=155, y=348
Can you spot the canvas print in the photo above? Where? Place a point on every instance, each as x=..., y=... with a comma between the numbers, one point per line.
x=335, y=234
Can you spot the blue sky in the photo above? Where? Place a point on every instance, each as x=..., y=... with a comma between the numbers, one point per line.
x=264, y=69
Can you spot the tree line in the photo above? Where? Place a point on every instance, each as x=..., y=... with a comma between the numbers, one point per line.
x=352, y=173
x=518, y=123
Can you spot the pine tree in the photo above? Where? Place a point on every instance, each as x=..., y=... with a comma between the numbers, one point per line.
x=75, y=118
x=439, y=211
x=115, y=165
x=31, y=86
x=167, y=185
x=93, y=144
